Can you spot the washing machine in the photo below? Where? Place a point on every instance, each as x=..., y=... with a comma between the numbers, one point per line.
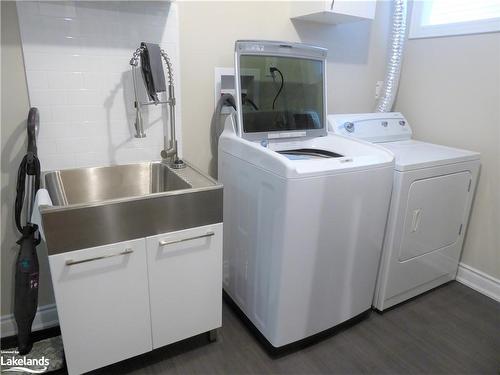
x=431, y=200
x=304, y=211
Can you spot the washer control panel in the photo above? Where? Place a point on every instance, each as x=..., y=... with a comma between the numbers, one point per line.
x=372, y=127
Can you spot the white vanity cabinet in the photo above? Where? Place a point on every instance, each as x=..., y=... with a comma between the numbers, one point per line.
x=102, y=298
x=185, y=283
x=117, y=301
x=333, y=11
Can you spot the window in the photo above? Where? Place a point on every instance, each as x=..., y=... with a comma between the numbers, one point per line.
x=432, y=18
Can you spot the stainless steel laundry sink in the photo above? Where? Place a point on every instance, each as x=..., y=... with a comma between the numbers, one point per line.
x=104, y=205
x=85, y=185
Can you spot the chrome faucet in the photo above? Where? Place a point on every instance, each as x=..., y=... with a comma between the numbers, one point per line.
x=169, y=151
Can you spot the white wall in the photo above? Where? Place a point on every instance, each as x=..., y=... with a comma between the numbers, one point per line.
x=208, y=30
x=450, y=93
x=76, y=55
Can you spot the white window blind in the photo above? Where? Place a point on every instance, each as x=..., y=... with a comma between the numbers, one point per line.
x=431, y=18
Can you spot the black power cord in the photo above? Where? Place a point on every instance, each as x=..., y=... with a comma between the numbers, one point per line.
x=245, y=99
x=226, y=100
x=273, y=69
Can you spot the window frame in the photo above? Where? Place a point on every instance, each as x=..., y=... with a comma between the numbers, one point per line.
x=417, y=30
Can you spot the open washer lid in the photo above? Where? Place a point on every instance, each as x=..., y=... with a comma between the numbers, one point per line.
x=280, y=90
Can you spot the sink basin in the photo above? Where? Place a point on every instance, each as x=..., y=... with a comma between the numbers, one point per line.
x=86, y=185
x=105, y=205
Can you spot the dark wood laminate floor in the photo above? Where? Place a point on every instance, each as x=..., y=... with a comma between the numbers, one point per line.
x=451, y=330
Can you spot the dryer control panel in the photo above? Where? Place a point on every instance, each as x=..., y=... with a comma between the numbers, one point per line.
x=372, y=127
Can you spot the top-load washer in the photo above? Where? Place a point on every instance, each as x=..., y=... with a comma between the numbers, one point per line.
x=304, y=211
x=430, y=205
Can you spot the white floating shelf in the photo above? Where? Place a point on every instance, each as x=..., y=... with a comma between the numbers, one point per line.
x=336, y=12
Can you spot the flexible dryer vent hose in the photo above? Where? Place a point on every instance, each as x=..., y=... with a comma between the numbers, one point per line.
x=391, y=83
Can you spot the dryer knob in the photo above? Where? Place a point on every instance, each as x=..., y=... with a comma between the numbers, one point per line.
x=402, y=122
x=349, y=126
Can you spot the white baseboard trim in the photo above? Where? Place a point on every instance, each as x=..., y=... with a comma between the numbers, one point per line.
x=46, y=317
x=479, y=281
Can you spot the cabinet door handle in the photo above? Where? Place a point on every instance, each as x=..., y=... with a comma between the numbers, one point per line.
x=166, y=242
x=71, y=262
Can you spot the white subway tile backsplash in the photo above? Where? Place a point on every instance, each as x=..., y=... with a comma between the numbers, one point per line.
x=90, y=129
x=77, y=65
x=38, y=80
x=46, y=146
x=37, y=61
x=93, y=80
x=66, y=113
x=75, y=62
x=81, y=144
x=64, y=80
x=84, y=97
x=114, y=63
x=58, y=161
x=47, y=43
x=45, y=112
x=57, y=8
x=92, y=159
x=28, y=8
x=53, y=131
x=125, y=156
x=109, y=81
x=47, y=97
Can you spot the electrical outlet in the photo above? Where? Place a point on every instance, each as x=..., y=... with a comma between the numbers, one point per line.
x=224, y=82
x=378, y=88
x=270, y=62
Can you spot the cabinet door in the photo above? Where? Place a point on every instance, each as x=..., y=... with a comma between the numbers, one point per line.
x=185, y=281
x=103, y=304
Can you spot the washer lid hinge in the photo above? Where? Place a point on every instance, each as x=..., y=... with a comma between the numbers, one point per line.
x=470, y=183
x=460, y=229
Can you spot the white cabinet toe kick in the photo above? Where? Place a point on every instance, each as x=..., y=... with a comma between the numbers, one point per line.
x=121, y=300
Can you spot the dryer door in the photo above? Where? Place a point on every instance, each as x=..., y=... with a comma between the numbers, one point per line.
x=434, y=214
